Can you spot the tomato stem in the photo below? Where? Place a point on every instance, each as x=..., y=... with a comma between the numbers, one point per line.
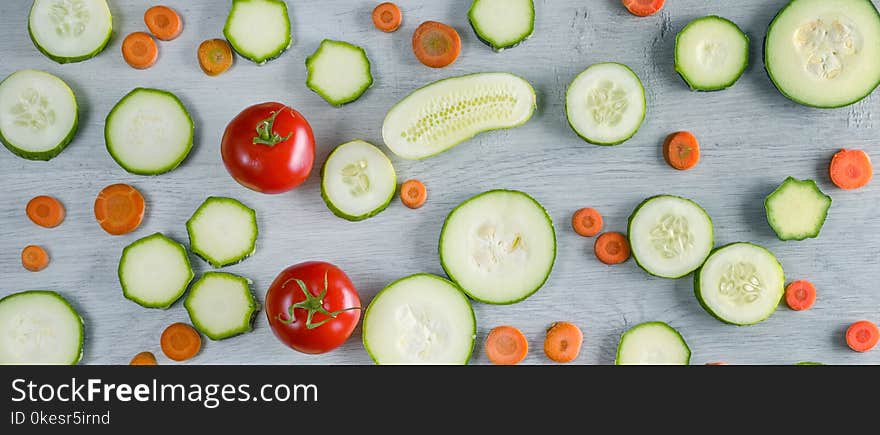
x=265, y=133
x=312, y=304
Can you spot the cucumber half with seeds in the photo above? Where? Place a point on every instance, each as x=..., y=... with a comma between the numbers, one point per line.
x=38, y=114
x=70, y=30
x=797, y=209
x=222, y=231
x=358, y=181
x=154, y=271
x=445, y=113
x=39, y=327
x=711, y=53
x=502, y=24
x=498, y=246
x=605, y=104
x=339, y=72
x=221, y=305
x=652, y=343
x=259, y=30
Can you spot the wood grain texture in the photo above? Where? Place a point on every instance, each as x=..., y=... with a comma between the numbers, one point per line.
x=752, y=138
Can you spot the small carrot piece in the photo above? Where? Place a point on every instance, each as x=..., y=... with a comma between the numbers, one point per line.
x=506, y=345
x=387, y=17
x=139, y=50
x=851, y=169
x=413, y=193
x=45, y=211
x=800, y=295
x=34, y=258
x=716, y=363
x=612, y=248
x=119, y=209
x=180, y=342
x=587, y=222
x=563, y=342
x=862, y=336
x=215, y=56
x=643, y=8
x=436, y=44
x=681, y=150
x=144, y=359
x=164, y=23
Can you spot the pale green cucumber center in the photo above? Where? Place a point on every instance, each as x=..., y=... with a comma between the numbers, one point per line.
x=37, y=110
x=69, y=17
x=824, y=46
x=741, y=283
x=670, y=237
x=607, y=103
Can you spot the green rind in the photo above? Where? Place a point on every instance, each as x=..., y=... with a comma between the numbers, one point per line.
x=54, y=152
x=256, y=59
x=246, y=326
x=73, y=311
x=62, y=59
x=454, y=285
x=552, y=262
x=193, y=246
x=683, y=74
x=775, y=225
x=183, y=255
x=644, y=112
x=317, y=90
x=339, y=213
x=486, y=39
x=661, y=324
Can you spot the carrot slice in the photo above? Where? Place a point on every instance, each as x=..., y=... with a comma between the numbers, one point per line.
x=563, y=342
x=144, y=359
x=215, y=56
x=435, y=44
x=643, y=8
x=413, y=193
x=681, y=150
x=45, y=211
x=800, y=295
x=139, y=50
x=716, y=363
x=387, y=17
x=164, y=23
x=34, y=258
x=612, y=248
x=851, y=169
x=506, y=345
x=119, y=209
x=862, y=336
x=180, y=342
x=587, y=222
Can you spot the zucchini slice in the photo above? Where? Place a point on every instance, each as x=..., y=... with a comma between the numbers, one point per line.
x=711, y=53
x=154, y=271
x=652, y=343
x=69, y=31
x=221, y=305
x=39, y=327
x=339, y=72
x=502, y=24
x=222, y=231
x=797, y=209
x=259, y=30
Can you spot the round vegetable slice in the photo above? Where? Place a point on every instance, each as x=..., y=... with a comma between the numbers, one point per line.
x=339, y=72
x=39, y=327
x=502, y=24
x=387, y=17
x=221, y=305
x=605, y=104
x=711, y=53
x=154, y=271
x=358, y=181
x=797, y=209
x=215, y=56
x=435, y=44
x=45, y=211
x=223, y=231
x=34, y=258
x=70, y=30
x=851, y=169
x=652, y=343
x=119, y=209
x=269, y=17
x=139, y=50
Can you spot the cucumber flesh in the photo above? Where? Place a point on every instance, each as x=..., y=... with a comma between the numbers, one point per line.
x=502, y=24
x=154, y=271
x=259, y=30
x=445, y=113
x=498, y=246
x=358, y=181
x=797, y=209
x=605, y=104
x=38, y=114
x=222, y=231
x=652, y=343
x=70, y=30
x=39, y=327
x=339, y=72
x=221, y=305
x=711, y=53
x=420, y=319
x=740, y=283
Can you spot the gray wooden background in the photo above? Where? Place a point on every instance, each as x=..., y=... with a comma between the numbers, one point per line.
x=752, y=138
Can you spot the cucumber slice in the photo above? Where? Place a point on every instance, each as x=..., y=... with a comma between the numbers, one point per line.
x=149, y=132
x=154, y=271
x=498, y=246
x=605, y=104
x=38, y=114
x=670, y=236
x=69, y=31
x=824, y=53
x=448, y=112
x=652, y=343
x=797, y=209
x=357, y=181
x=711, y=53
x=502, y=24
x=420, y=319
x=222, y=231
x=221, y=305
x=740, y=283
x=39, y=327
x=339, y=72
x=259, y=30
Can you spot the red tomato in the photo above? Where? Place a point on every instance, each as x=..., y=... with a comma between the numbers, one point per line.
x=324, y=304
x=269, y=148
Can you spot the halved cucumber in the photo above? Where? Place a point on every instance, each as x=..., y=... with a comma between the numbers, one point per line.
x=740, y=283
x=797, y=209
x=824, y=53
x=39, y=327
x=502, y=24
x=221, y=305
x=670, y=236
x=154, y=271
x=652, y=343
x=38, y=114
x=148, y=132
x=605, y=104
x=357, y=181
x=339, y=72
x=445, y=113
x=70, y=30
x=222, y=231
x=420, y=319
x=711, y=53
x=259, y=30
x=498, y=246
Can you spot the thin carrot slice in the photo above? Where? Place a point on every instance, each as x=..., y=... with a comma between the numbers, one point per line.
x=436, y=44
x=587, y=222
x=164, y=23
x=643, y=8
x=612, y=248
x=800, y=295
x=34, y=258
x=506, y=345
x=681, y=150
x=215, y=56
x=563, y=342
x=45, y=211
x=144, y=359
x=180, y=342
x=139, y=50
x=851, y=169
x=387, y=17
x=413, y=193
x=862, y=336
x=716, y=363
x=119, y=209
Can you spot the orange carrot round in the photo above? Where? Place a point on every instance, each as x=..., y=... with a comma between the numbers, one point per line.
x=716, y=363
x=164, y=23
x=612, y=248
x=45, y=211
x=563, y=342
x=413, y=193
x=180, y=342
x=643, y=8
x=506, y=345
x=144, y=359
x=387, y=17
x=119, y=209
x=436, y=44
x=215, y=56
x=139, y=50
x=862, y=336
x=587, y=222
x=34, y=258
x=851, y=169
x=800, y=295
x=681, y=150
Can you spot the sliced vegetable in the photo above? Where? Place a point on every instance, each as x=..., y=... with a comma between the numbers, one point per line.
x=70, y=30
x=215, y=56
x=357, y=181
x=164, y=23
x=144, y=359
x=506, y=345
x=39, y=327
x=180, y=342
x=339, y=72
x=119, y=209
x=711, y=53
x=809, y=363
x=223, y=231
x=273, y=22
x=413, y=193
x=436, y=44
x=643, y=8
x=851, y=169
x=563, y=342
x=587, y=222
x=502, y=24
x=34, y=258
x=221, y=305
x=605, y=104
x=612, y=248
x=652, y=343
x=797, y=209
x=140, y=50
x=387, y=17
x=862, y=336
x=154, y=271
x=45, y=211
x=681, y=150
x=800, y=295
